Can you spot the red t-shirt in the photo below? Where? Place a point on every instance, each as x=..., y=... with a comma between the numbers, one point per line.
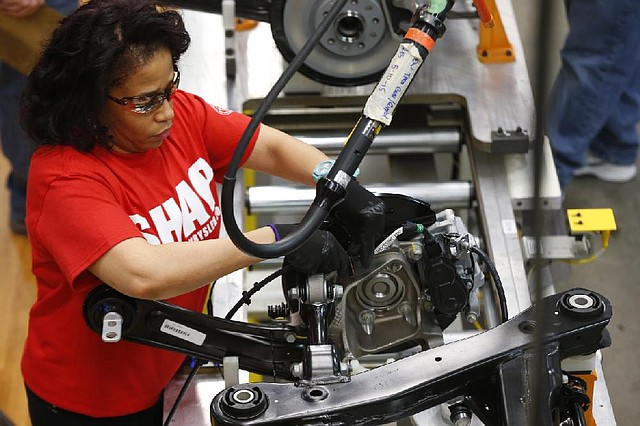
x=79, y=205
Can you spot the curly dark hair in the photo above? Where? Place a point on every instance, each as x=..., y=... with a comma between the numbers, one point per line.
x=94, y=49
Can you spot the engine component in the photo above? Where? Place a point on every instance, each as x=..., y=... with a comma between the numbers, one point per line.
x=421, y=277
x=382, y=309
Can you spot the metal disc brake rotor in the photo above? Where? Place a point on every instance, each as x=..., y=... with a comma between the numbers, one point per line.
x=356, y=48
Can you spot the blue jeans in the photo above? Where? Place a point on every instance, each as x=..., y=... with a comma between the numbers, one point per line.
x=594, y=104
x=15, y=144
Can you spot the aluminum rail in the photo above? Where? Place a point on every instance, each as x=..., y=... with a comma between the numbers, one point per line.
x=391, y=141
x=287, y=199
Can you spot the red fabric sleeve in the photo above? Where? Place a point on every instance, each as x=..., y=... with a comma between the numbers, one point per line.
x=68, y=211
x=221, y=129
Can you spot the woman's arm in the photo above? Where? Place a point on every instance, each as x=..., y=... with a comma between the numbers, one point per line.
x=279, y=154
x=146, y=271
x=142, y=270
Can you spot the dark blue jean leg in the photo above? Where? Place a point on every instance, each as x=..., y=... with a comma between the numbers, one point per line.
x=568, y=141
x=63, y=6
x=16, y=146
x=598, y=62
x=618, y=141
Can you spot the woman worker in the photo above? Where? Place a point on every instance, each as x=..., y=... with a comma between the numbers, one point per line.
x=122, y=191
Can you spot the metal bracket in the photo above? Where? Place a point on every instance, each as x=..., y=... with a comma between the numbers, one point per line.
x=509, y=141
x=229, y=23
x=557, y=247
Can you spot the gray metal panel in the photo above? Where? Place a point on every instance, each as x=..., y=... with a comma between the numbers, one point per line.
x=390, y=142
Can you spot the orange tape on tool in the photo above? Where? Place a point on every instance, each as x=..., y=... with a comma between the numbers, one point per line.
x=421, y=38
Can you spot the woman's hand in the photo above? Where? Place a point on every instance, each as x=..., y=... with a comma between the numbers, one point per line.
x=321, y=253
x=362, y=214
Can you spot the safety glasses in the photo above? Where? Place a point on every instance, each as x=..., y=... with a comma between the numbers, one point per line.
x=146, y=104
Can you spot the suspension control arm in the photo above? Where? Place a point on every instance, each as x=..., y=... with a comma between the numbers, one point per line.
x=264, y=349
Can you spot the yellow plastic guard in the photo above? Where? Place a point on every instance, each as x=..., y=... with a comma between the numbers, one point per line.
x=494, y=45
x=591, y=220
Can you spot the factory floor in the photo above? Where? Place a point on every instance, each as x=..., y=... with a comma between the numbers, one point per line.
x=614, y=275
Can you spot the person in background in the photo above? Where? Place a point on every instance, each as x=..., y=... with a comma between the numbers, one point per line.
x=122, y=191
x=594, y=104
x=16, y=146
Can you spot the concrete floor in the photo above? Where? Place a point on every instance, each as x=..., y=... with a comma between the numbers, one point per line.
x=615, y=274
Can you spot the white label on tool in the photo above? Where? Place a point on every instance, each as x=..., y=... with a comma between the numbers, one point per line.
x=183, y=332
x=395, y=81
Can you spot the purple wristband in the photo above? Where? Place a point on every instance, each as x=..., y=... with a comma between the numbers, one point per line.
x=275, y=231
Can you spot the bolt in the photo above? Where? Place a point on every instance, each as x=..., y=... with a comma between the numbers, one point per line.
x=394, y=267
x=293, y=293
x=461, y=419
x=367, y=318
x=338, y=291
x=296, y=369
x=415, y=252
x=460, y=415
x=290, y=337
x=407, y=313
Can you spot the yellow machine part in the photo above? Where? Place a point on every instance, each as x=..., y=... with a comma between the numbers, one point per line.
x=591, y=220
x=494, y=45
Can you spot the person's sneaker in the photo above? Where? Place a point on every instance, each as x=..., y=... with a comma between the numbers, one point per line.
x=607, y=172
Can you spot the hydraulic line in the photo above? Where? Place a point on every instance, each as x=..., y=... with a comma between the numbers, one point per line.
x=299, y=235
x=497, y=282
x=427, y=27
